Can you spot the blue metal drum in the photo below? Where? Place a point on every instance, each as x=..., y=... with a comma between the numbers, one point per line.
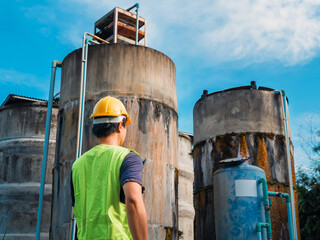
x=238, y=202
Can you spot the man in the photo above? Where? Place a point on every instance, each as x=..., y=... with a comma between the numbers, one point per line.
x=106, y=180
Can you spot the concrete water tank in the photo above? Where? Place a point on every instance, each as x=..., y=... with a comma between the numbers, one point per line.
x=185, y=193
x=145, y=81
x=22, y=130
x=237, y=122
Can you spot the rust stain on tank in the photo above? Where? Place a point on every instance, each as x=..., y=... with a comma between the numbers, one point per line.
x=168, y=233
x=262, y=157
x=243, y=147
x=278, y=213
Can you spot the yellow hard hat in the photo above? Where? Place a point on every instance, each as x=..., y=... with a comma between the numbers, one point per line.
x=110, y=107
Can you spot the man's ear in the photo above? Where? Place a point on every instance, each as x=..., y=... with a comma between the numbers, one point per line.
x=120, y=125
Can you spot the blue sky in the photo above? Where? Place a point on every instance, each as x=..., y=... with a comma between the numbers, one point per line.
x=215, y=45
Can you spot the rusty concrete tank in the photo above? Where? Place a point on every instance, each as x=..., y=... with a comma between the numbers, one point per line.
x=22, y=130
x=185, y=192
x=236, y=122
x=145, y=81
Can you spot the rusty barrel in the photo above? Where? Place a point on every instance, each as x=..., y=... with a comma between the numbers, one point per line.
x=240, y=122
x=22, y=131
x=145, y=81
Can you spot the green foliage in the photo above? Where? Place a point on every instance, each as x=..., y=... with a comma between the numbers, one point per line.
x=308, y=185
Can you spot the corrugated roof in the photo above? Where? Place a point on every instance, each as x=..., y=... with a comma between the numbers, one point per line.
x=13, y=98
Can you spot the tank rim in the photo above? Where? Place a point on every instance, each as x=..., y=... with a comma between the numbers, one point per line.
x=116, y=44
x=247, y=87
x=247, y=167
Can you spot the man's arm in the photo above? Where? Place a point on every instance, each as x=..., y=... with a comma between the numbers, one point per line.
x=136, y=211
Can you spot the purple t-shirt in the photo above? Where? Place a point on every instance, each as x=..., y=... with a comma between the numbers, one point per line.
x=130, y=171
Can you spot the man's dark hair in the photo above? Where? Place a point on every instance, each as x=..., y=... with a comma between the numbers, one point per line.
x=105, y=129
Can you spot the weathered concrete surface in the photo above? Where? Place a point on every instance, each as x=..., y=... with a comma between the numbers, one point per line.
x=21, y=160
x=267, y=151
x=22, y=130
x=185, y=192
x=122, y=69
x=237, y=111
x=144, y=80
x=239, y=123
x=19, y=208
x=26, y=120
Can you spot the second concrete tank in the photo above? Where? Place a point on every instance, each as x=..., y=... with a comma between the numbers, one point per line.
x=144, y=80
x=22, y=132
x=240, y=122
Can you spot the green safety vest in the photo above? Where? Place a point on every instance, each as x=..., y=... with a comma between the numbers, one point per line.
x=96, y=181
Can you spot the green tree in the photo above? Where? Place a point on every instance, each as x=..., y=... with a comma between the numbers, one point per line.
x=308, y=186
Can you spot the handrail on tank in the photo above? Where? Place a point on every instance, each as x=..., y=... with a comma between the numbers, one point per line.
x=82, y=97
x=284, y=104
x=93, y=36
x=137, y=19
x=55, y=64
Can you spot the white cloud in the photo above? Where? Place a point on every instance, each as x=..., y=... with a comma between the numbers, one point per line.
x=72, y=36
x=287, y=31
x=42, y=14
x=12, y=77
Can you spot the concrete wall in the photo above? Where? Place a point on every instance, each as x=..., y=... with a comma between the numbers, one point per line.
x=122, y=69
x=239, y=123
x=22, y=129
x=144, y=80
x=185, y=192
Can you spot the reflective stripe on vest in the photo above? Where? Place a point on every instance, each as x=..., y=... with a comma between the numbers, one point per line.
x=96, y=180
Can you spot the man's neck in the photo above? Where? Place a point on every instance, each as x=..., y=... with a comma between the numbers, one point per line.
x=110, y=140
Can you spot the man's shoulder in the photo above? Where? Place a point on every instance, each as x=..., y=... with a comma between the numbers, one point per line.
x=133, y=155
x=84, y=156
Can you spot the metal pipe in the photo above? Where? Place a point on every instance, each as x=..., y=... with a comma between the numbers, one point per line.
x=137, y=23
x=74, y=226
x=130, y=8
x=55, y=64
x=115, y=26
x=93, y=36
x=137, y=20
x=288, y=204
x=259, y=228
x=266, y=203
x=83, y=81
x=145, y=32
x=82, y=97
x=263, y=181
x=82, y=94
x=291, y=234
x=284, y=104
x=268, y=220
